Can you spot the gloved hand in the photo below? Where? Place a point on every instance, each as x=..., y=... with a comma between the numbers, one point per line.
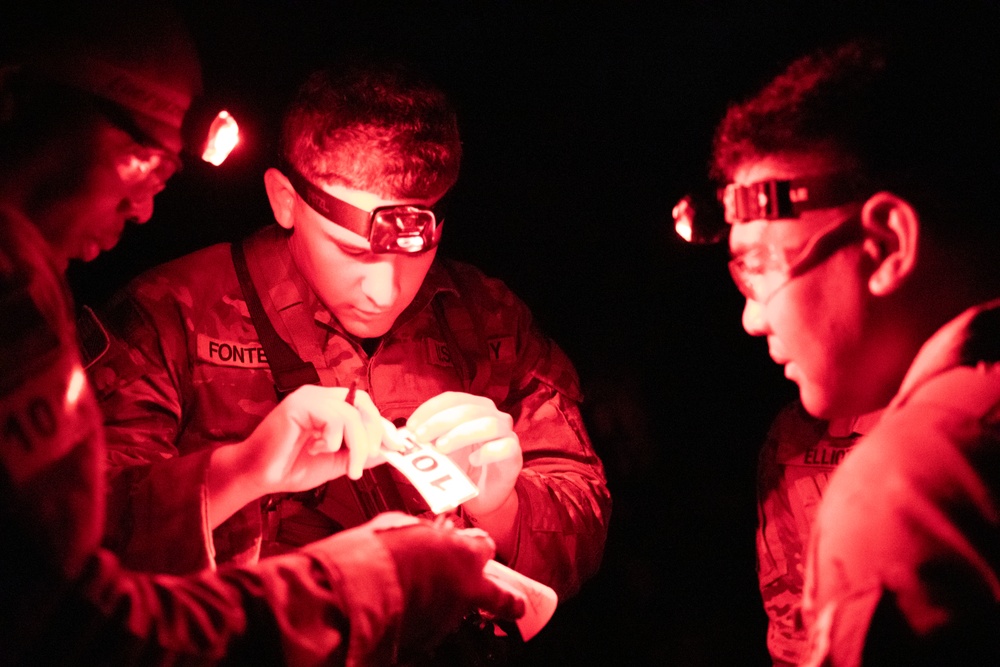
x=440, y=571
x=309, y=438
x=478, y=437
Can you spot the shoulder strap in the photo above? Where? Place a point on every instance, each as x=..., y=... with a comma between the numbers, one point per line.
x=290, y=372
x=287, y=368
x=466, y=333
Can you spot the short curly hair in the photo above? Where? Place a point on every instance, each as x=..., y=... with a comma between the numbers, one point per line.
x=379, y=127
x=916, y=113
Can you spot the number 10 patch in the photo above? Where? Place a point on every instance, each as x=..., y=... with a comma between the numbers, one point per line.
x=435, y=476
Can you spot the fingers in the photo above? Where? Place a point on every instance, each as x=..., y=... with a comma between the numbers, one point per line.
x=392, y=519
x=337, y=424
x=488, y=595
x=427, y=421
x=454, y=420
x=359, y=441
x=371, y=419
x=391, y=437
x=497, y=600
x=495, y=451
x=482, y=429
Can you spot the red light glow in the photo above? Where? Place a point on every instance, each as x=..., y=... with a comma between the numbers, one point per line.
x=223, y=136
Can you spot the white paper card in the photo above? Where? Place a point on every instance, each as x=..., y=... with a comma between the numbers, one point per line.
x=539, y=600
x=435, y=476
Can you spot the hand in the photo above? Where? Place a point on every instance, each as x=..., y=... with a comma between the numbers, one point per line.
x=479, y=438
x=309, y=438
x=440, y=571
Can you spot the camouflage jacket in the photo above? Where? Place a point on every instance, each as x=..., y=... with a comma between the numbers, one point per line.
x=65, y=601
x=904, y=561
x=795, y=463
x=186, y=373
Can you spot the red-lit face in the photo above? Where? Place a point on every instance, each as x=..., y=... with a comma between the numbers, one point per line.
x=365, y=291
x=114, y=182
x=815, y=323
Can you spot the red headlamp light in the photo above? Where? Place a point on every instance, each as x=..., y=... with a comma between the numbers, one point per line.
x=208, y=133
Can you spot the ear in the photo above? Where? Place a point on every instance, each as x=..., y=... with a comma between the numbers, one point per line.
x=281, y=194
x=891, y=228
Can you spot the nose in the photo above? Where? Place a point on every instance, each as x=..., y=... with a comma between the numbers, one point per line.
x=380, y=285
x=141, y=200
x=754, y=322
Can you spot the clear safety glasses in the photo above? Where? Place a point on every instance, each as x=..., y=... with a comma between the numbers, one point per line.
x=210, y=139
x=763, y=270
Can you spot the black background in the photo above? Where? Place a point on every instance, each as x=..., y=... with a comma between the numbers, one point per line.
x=582, y=124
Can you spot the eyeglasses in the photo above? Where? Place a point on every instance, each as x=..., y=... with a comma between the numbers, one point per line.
x=147, y=155
x=401, y=229
x=138, y=166
x=760, y=272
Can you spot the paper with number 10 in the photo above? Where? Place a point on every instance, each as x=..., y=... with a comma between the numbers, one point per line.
x=435, y=476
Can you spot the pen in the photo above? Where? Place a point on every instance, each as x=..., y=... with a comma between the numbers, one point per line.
x=351, y=392
x=366, y=490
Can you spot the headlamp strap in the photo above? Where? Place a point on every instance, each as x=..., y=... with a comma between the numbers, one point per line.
x=127, y=89
x=778, y=199
x=287, y=368
x=350, y=217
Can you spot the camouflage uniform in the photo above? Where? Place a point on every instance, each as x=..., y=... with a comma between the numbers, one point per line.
x=63, y=600
x=904, y=562
x=795, y=463
x=186, y=373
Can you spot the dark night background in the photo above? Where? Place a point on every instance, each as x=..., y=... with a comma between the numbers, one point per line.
x=582, y=124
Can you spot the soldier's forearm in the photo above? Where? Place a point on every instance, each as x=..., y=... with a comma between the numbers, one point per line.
x=502, y=525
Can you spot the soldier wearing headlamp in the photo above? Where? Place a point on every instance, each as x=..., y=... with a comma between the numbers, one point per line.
x=92, y=103
x=859, y=203
x=350, y=282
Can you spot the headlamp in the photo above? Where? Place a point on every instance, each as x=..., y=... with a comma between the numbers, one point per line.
x=700, y=220
x=149, y=155
x=403, y=228
x=209, y=133
x=211, y=139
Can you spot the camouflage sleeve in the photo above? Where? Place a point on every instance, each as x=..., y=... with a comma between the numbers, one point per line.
x=157, y=499
x=903, y=563
x=49, y=442
x=334, y=603
x=64, y=601
x=564, y=502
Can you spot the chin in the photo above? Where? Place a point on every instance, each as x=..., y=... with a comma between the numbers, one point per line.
x=368, y=330
x=817, y=403
x=831, y=405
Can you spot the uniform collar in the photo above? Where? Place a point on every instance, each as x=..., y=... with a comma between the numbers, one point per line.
x=844, y=427
x=966, y=340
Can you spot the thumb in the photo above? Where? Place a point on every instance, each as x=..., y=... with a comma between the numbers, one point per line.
x=499, y=601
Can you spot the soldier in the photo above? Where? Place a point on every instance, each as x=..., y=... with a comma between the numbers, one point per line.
x=91, y=107
x=347, y=284
x=794, y=467
x=859, y=192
